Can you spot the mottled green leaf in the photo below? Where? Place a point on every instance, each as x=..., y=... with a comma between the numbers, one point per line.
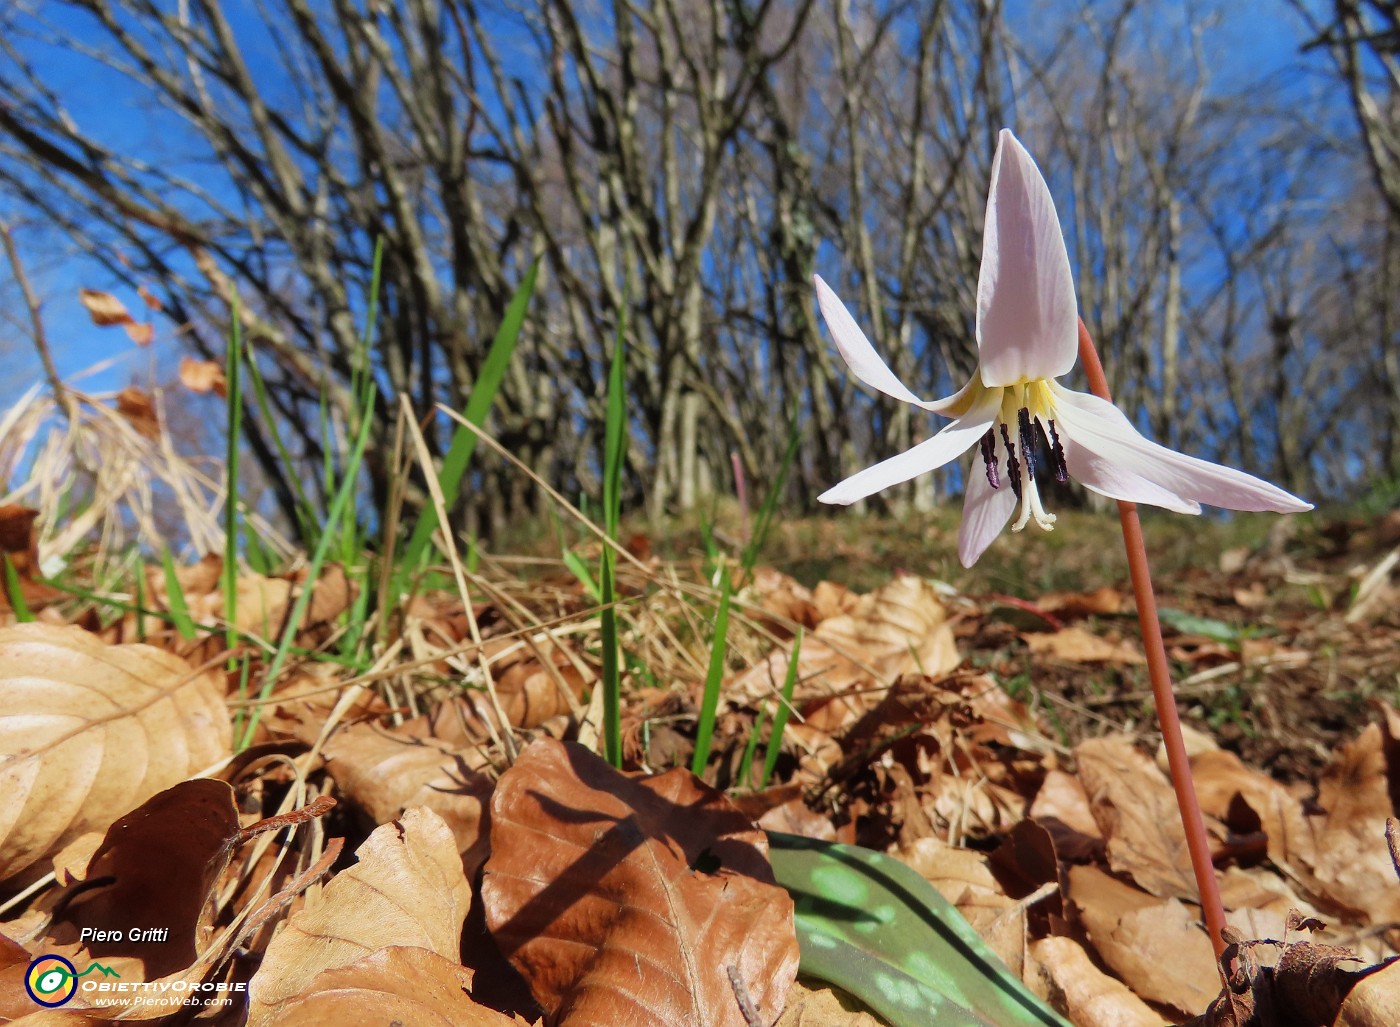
x=874, y=927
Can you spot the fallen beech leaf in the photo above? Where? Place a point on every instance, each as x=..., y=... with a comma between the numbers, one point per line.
x=817, y=1004
x=156, y=868
x=1100, y=602
x=20, y=547
x=397, y=985
x=1374, y=1001
x=1351, y=860
x=89, y=731
x=104, y=308
x=1062, y=808
x=203, y=376
x=384, y=772
x=1089, y=996
x=139, y=409
x=1155, y=947
x=1136, y=811
x=143, y=333
x=901, y=627
x=1220, y=776
x=1079, y=646
x=625, y=900
x=407, y=890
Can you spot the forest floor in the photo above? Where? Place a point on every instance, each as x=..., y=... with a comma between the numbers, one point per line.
x=992, y=729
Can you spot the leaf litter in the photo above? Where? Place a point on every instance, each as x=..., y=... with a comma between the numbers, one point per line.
x=376, y=855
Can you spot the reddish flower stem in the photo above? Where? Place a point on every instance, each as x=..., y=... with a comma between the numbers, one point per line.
x=1160, y=673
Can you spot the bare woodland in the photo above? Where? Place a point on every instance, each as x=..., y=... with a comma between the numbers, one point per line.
x=681, y=169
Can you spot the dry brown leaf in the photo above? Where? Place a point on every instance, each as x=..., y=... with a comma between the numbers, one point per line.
x=1101, y=602
x=1079, y=646
x=149, y=298
x=397, y=985
x=143, y=333
x=19, y=545
x=1374, y=1001
x=90, y=731
x=387, y=771
x=900, y=628
x=406, y=890
x=1088, y=996
x=203, y=376
x=1221, y=777
x=1062, y=808
x=1156, y=948
x=104, y=308
x=818, y=1004
x=156, y=867
x=1351, y=861
x=626, y=900
x=139, y=409
x=1136, y=811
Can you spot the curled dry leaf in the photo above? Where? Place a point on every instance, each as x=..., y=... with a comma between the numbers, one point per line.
x=1351, y=860
x=89, y=731
x=626, y=900
x=1077, y=645
x=1088, y=996
x=407, y=890
x=1136, y=811
x=1157, y=948
x=203, y=376
x=156, y=867
x=139, y=409
x=396, y=985
x=817, y=1004
x=19, y=546
x=104, y=308
x=385, y=771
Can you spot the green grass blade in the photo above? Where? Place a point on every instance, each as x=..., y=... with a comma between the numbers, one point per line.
x=305, y=512
x=872, y=926
x=15, y=593
x=454, y=464
x=750, y=747
x=318, y=558
x=764, y=521
x=580, y=570
x=232, y=372
x=714, y=677
x=780, y=718
x=614, y=456
x=175, y=598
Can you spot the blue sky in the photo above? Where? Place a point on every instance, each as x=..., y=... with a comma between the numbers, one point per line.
x=1252, y=49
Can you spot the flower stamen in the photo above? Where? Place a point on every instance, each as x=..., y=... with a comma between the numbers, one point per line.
x=1026, y=431
x=1013, y=468
x=989, y=459
x=1057, y=450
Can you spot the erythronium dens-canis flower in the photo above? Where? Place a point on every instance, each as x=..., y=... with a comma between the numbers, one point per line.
x=1023, y=421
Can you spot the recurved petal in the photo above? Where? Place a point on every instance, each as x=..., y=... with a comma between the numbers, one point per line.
x=1102, y=429
x=985, y=510
x=857, y=351
x=1117, y=482
x=1027, y=319
x=950, y=443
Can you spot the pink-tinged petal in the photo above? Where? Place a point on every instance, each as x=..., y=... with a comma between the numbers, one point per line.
x=949, y=444
x=1117, y=482
x=1027, y=318
x=855, y=348
x=1101, y=428
x=985, y=510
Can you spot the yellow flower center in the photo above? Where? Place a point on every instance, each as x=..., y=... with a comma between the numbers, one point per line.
x=1027, y=412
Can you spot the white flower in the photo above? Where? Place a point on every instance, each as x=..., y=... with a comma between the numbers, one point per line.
x=1024, y=421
